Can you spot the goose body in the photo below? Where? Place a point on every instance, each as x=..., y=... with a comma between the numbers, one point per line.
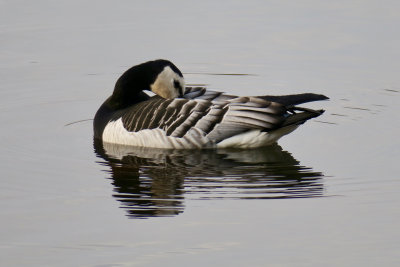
x=182, y=117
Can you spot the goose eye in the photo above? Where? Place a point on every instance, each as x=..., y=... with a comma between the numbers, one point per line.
x=178, y=86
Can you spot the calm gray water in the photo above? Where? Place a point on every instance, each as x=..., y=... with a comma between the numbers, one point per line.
x=327, y=195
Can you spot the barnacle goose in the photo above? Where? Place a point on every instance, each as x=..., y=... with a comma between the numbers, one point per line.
x=182, y=117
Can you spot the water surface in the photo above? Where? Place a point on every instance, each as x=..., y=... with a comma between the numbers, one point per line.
x=327, y=195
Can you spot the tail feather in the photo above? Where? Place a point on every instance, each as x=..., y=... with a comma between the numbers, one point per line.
x=292, y=100
x=301, y=117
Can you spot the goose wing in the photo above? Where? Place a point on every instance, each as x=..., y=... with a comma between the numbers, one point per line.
x=218, y=116
x=286, y=100
x=271, y=109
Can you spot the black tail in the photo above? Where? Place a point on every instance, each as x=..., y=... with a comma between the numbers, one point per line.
x=292, y=100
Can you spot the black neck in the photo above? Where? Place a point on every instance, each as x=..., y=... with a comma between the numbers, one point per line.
x=128, y=88
x=127, y=92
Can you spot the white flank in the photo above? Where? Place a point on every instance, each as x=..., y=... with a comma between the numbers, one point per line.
x=114, y=132
x=256, y=138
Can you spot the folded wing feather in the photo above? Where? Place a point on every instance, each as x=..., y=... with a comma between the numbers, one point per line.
x=217, y=115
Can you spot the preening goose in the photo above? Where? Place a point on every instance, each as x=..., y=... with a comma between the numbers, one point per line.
x=182, y=117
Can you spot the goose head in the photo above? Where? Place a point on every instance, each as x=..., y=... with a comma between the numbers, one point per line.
x=168, y=81
x=160, y=76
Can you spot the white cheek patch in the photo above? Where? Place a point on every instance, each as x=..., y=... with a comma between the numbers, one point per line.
x=164, y=84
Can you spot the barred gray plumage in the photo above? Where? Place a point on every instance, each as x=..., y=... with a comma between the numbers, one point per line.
x=218, y=115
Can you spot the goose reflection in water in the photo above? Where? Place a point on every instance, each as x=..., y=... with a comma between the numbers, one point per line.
x=155, y=182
